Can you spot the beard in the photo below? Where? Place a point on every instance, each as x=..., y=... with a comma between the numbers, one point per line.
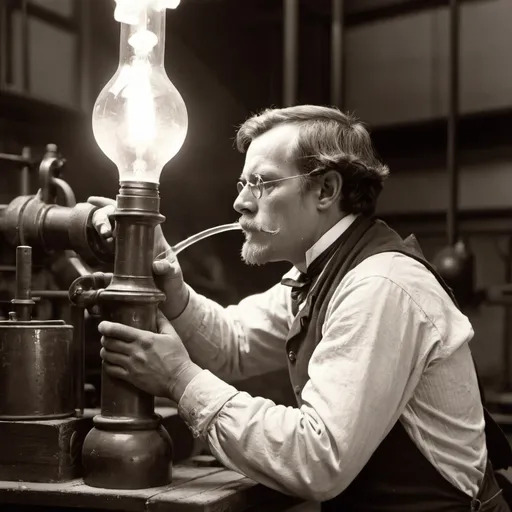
x=254, y=254
x=257, y=252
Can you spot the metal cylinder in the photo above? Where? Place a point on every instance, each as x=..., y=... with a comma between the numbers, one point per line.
x=23, y=272
x=48, y=228
x=36, y=377
x=128, y=448
x=290, y=51
x=22, y=300
x=337, y=53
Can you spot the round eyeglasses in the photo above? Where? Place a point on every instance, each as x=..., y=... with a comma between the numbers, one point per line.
x=259, y=185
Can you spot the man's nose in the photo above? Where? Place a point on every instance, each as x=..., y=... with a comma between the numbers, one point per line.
x=245, y=202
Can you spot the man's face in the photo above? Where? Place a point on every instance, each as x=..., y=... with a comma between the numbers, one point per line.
x=281, y=225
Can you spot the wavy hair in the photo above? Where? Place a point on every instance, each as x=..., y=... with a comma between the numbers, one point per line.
x=328, y=139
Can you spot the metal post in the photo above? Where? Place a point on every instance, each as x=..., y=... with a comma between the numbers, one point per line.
x=23, y=301
x=453, y=113
x=128, y=448
x=290, y=51
x=25, y=172
x=337, y=53
x=78, y=323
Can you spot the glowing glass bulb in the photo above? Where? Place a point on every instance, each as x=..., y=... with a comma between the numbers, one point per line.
x=140, y=119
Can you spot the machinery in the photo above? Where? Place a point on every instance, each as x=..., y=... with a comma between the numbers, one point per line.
x=61, y=452
x=140, y=123
x=54, y=434
x=43, y=356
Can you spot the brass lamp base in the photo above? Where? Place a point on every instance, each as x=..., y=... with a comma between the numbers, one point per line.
x=128, y=448
x=131, y=459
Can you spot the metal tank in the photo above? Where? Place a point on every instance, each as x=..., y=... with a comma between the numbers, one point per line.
x=36, y=358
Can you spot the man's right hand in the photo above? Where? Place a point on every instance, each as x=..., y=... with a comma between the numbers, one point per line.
x=166, y=268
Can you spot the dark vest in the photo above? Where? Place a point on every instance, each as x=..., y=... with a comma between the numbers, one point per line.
x=397, y=478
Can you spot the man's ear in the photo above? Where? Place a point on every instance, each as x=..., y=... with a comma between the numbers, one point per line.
x=329, y=192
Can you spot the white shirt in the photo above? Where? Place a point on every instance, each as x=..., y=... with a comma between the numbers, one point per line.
x=394, y=347
x=328, y=238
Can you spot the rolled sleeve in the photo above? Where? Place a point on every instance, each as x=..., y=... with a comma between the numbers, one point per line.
x=202, y=400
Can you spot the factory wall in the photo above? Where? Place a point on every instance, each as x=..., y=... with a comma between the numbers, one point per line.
x=397, y=73
x=397, y=69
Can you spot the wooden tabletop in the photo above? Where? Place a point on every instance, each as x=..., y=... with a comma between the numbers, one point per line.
x=193, y=489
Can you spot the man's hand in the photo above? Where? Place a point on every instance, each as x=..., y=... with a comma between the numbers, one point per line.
x=156, y=363
x=166, y=268
x=103, y=222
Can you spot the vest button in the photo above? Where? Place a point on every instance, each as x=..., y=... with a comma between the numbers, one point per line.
x=292, y=356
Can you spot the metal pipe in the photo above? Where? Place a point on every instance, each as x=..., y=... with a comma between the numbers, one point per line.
x=50, y=294
x=23, y=272
x=80, y=267
x=78, y=323
x=48, y=227
x=13, y=158
x=453, y=113
x=290, y=51
x=55, y=221
x=337, y=53
x=25, y=173
x=22, y=300
x=67, y=191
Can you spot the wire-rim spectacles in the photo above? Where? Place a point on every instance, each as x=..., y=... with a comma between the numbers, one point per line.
x=258, y=187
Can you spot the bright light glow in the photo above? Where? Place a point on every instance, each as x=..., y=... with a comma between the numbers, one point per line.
x=140, y=119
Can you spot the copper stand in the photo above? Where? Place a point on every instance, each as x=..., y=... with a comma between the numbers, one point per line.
x=128, y=448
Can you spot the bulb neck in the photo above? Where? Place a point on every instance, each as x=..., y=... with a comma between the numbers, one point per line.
x=138, y=40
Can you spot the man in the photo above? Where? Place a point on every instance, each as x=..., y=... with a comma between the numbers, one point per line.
x=389, y=415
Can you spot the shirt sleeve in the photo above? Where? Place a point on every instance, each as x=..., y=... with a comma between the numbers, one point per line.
x=376, y=341
x=239, y=341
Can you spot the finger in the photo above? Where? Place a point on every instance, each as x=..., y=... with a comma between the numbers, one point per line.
x=163, y=326
x=120, y=331
x=117, y=346
x=102, y=222
x=101, y=201
x=161, y=267
x=114, y=358
x=118, y=372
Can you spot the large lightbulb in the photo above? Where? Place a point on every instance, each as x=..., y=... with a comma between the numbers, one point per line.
x=140, y=119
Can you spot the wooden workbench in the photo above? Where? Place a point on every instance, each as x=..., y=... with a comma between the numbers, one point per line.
x=194, y=489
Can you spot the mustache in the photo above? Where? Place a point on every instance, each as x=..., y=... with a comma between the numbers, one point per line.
x=250, y=225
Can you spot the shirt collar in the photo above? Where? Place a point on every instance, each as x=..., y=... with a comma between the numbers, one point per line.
x=328, y=238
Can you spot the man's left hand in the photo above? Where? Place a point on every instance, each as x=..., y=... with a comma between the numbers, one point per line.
x=153, y=362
